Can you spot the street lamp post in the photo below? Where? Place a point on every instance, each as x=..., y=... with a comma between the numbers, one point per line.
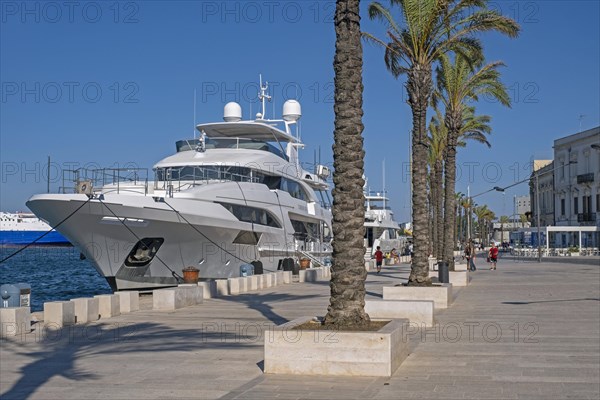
x=537, y=215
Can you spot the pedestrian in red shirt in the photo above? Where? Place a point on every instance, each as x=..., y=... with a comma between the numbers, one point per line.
x=493, y=254
x=378, y=259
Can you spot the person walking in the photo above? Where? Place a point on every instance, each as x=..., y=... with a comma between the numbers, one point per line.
x=378, y=259
x=469, y=254
x=493, y=255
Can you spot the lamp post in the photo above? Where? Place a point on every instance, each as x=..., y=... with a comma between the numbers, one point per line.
x=537, y=215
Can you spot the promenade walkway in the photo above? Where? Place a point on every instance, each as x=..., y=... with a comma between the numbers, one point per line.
x=525, y=331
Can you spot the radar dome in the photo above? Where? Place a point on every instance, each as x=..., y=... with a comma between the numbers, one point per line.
x=232, y=112
x=291, y=110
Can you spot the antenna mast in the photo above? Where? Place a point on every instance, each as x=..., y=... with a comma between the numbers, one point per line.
x=194, y=114
x=263, y=96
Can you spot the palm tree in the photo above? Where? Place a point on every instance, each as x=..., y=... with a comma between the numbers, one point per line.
x=428, y=30
x=484, y=217
x=523, y=219
x=347, y=302
x=459, y=81
x=437, y=144
x=474, y=128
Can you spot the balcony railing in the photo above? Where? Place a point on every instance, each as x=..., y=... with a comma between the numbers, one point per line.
x=586, y=217
x=585, y=178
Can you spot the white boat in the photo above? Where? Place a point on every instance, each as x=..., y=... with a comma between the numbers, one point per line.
x=22, y=228
x=235, y=195
x=380, y=227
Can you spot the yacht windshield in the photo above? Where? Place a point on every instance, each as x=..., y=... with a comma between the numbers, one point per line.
x=231, y=143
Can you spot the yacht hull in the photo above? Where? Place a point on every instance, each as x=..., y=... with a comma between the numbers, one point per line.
x=200, y=234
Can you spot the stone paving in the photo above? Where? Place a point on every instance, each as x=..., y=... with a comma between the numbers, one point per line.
x=525, y=331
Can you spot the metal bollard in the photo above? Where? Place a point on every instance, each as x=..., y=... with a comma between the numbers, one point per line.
x=443, y=274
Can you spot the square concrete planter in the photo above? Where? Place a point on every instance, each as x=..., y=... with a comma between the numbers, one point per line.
x=337, y=353
x=460, y=267
x=440, y=294
x=459, y=278
x=419, y=312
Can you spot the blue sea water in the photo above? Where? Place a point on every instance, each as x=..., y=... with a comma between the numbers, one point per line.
x=54, y=273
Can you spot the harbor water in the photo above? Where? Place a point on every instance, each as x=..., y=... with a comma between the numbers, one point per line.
x=54, y=273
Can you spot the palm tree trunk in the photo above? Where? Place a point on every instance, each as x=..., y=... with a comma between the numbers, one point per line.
x=450, y=199
x=347, y=302
x=433, y=194
x=439, y=206
x=419, y=87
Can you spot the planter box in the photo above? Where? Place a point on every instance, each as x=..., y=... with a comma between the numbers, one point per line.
x=307, y=352
x=459, y=278
x=440, y=294
x=460, y=267
x=417, y=312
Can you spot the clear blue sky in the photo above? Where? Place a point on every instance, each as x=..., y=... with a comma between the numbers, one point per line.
x=112, y=83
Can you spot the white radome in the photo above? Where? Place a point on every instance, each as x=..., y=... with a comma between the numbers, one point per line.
x=232, y=112
x=291, y=110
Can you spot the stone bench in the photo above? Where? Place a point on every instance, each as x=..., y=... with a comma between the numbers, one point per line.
x=129, y=301
x=109, y=305
x=15, y=321
x=174, y=298
x=440, y=294
x=87, y=309
x=59, y=313
x=418, y=312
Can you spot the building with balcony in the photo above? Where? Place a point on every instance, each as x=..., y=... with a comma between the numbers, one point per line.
x=577, y=186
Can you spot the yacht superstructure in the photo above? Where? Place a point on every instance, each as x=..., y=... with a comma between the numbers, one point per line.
x=235, y=195
x=380, y=227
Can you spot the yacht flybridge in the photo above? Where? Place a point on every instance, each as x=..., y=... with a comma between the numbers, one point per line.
x=235, y=195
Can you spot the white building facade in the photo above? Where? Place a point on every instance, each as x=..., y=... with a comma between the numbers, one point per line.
x=576, y=186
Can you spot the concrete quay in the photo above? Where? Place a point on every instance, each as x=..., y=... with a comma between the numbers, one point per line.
x=525, y=331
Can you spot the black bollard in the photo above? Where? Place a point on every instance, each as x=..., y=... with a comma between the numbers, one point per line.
x=443, y=274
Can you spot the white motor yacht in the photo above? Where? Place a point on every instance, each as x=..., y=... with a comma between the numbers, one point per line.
x=380, y=227
x=235, y=195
